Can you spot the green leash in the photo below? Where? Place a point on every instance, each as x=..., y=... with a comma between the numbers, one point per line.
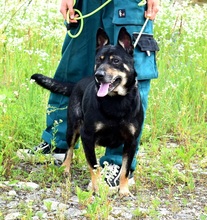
x=81, y=18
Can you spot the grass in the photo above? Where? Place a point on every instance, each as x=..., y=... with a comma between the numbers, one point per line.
x=174, y=138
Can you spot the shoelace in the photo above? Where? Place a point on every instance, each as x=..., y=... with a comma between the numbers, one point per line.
x=40, y=147
x=110, y=172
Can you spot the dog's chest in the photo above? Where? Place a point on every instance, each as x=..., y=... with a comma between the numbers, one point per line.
x=113, y=133
x=101, y=126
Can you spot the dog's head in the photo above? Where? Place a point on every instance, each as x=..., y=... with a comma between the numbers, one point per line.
x=114, y=65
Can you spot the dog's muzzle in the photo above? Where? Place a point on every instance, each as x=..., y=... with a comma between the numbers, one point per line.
x=100, y=75
x=106, y=83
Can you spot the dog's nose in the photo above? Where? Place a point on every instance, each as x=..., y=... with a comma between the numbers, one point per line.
x=100, y=75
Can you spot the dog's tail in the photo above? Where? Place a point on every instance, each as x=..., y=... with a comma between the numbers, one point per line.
x=53, y=85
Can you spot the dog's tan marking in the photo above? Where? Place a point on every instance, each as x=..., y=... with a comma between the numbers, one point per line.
x=126, y=67
x=67, y=161
x=102, y=57
x=120, y=89
x=123, y=186
x=95, y=177
x=111, y=57
x=112, y=71
x=69, y=157
x=98, y=126
x=132, y=129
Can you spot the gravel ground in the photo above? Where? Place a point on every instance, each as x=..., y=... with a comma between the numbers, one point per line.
x=29, y=199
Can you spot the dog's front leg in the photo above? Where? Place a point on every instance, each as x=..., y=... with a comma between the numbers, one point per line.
x=128, y=155
x=72, y=136
x=67, y=161
x=94, y=169
x=95, y=177
x=89, y=149
x=123, y=185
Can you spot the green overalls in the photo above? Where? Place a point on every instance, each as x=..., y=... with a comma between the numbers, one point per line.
x=78, y=56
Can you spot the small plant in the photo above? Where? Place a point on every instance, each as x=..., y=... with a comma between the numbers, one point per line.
x=140, y=213
x=48, y=205
x=203, y=217
x=97, y=206
x=8, y=160
x=47, y=174
x=84, y=197
x=26, y=210
x=66, y=192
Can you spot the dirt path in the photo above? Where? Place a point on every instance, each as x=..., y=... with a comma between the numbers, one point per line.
x=28, y=200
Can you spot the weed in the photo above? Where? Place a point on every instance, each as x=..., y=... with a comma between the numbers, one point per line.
x=26, y=209
x=97, y=206
x=48, y=205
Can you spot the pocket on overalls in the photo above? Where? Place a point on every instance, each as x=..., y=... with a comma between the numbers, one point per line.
x=128, y=12
x=144, y=57
x=130, y=15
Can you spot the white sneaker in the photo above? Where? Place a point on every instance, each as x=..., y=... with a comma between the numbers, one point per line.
x=111, y=174
x=45, y=150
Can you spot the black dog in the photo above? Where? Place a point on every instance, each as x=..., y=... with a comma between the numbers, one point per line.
x=105, y=109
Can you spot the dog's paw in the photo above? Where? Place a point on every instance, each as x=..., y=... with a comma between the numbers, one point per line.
x=66, y=175
x=66, y=172
x=124, y=192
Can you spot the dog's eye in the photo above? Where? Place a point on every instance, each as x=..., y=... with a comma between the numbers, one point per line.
x=116, y=61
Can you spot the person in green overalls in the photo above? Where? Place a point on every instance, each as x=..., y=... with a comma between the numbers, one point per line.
x=78, y=56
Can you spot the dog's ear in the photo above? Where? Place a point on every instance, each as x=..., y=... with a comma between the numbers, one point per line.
x=124, y=40
x=102, y=38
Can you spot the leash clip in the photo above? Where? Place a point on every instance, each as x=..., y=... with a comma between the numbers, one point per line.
x=67, y=25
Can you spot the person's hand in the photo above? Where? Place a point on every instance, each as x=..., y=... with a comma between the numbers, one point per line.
x=152, y=9
x=65, y=6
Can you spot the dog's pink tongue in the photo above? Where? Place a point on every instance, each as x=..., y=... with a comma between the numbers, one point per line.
x=103, y=89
